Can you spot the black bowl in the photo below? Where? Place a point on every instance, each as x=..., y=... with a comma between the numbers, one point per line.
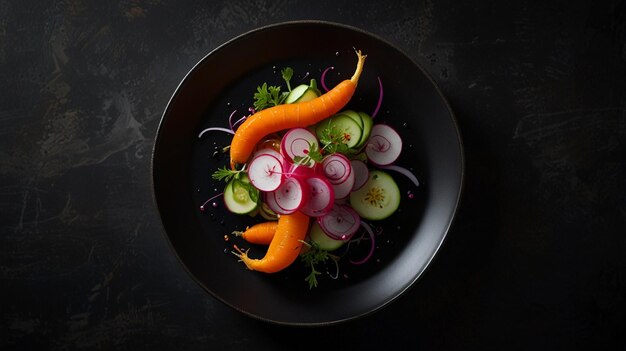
x=225, y=80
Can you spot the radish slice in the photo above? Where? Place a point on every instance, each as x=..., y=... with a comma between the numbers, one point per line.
x=265, y=172
x=337, y=168
x=361, y=174
x=340, y=223
x=384, y=145
x=292, y=194
x=269, y=151
x=297, y=142
x=270, y=200
x=321, y=199
x=301, y=171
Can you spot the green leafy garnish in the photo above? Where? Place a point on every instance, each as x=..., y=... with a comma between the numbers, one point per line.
x=226, y=174
x=267, y=96
x=270, y=95
x=314, y=154
x=287, y=73
x=313, y=256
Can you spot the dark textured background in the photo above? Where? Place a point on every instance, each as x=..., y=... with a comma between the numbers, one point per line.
x=535, y=260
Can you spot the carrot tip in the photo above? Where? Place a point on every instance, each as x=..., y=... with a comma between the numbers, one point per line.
x=359, y=66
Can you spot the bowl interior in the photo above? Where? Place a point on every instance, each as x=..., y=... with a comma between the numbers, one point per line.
x=224, y=81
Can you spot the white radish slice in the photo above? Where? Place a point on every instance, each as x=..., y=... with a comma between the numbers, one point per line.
x=292, y=194
x=384, y=145
x=344, y=188
x=269, y=151
x=337, y=168
x=265, y=172
x=321, y=199
x=361, y=174
x=297, y=142
x=340, y=223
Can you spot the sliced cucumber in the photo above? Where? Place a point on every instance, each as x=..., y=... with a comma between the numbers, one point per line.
x=303, y=93
x=343, y=124
x=378, y=198
x=240, y=196
x=322, y=240
x=368, y=122
x=354, y=115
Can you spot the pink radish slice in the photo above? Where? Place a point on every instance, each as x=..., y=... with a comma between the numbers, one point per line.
x=361, y=174
x=265, y=172
x=321, y=199
x=340, y=223
x=297, y=142
x=292, y=194
x=344, y=188
x=384, y=145
x=270, y=200
x=337, y=168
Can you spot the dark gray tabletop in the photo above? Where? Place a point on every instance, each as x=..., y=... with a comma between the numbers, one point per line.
x=535, y=260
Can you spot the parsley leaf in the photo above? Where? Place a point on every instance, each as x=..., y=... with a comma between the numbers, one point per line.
x=225, y=174
x=267, y=96
x=334, y=140
x=313, y=256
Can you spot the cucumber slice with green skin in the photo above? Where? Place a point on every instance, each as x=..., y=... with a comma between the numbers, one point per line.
x=378, y=199
x=354, y=115
x=322, y=240
x=303, y=93
x=368, y=123
x=344, y=124
x=238, y=197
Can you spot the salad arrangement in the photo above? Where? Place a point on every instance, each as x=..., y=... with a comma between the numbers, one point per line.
x=317, y=172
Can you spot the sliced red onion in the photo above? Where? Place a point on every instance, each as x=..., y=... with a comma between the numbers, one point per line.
x=380, y=98
x=230, y=120
x=372, y=243
x=270, y=199
x=402, y=171
x=225, y=130
x=342, y=190
x=361, y=174
x=340, y=223
x=337, y=168
x=323, y=78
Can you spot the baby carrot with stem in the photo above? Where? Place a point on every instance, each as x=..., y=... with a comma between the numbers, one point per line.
x=260, y=233
x=284, y=247
x=301, y=114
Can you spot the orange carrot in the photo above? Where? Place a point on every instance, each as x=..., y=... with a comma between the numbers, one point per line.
x=301, y=114
x=285, y=246
x=261, y=233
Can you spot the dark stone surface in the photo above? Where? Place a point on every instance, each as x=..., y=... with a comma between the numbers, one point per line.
x=536, y=259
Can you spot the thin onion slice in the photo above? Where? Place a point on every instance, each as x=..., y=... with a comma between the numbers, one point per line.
x=402, y=171
x=380, y=98
x=323, y=78
x=372, y=244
